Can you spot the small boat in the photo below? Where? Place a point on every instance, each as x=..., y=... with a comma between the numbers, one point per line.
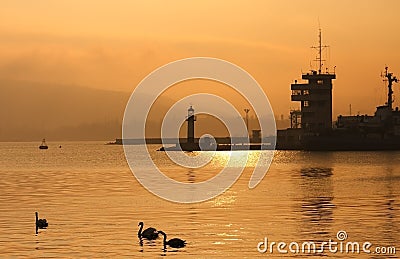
x=43, y=145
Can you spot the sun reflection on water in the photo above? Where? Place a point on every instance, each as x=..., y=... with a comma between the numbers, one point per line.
x=239, y=158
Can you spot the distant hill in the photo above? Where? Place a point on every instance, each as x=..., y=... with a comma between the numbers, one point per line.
x=30, y=111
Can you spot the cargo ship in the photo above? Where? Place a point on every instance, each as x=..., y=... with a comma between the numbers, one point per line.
x=312, y=128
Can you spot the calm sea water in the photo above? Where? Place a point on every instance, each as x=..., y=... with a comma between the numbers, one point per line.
x=93, y=204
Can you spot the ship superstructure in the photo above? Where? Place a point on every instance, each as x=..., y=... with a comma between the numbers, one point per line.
x=312, y=127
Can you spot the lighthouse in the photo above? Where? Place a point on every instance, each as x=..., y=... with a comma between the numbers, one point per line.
x=190, y=129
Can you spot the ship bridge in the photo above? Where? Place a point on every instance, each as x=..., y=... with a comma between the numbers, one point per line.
x=315, y=99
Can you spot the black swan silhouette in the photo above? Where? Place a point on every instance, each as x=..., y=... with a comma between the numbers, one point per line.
x=40, y=223
x=174, y=243
x=149, y=233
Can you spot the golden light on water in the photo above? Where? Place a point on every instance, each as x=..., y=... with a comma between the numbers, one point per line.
x=224, y=200
x=250, y=158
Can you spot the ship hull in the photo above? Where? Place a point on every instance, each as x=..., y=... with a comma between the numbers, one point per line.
x=351, y=143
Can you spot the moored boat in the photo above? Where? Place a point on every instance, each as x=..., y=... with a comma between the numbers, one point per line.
x=43, y=145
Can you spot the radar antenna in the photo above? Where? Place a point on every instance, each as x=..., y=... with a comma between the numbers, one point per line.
x=319, y=48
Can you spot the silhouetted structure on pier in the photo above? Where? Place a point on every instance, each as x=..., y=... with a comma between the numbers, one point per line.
x=312, y=127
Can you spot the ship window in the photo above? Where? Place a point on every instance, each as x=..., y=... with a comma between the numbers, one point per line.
x=320, y=82
x=306, y=92
x=296, y=92
x=306, y=103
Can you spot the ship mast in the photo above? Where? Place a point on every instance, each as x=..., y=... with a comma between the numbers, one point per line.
x=320, y=47
x=390, y=79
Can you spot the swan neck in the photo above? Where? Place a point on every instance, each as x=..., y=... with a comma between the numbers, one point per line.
x=140, y=230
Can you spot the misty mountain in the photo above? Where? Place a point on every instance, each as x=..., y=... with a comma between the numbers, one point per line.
x=30, y=111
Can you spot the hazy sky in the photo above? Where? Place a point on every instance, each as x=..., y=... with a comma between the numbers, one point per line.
x=115, y=44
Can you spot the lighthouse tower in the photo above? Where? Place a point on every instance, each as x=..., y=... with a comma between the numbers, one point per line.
x=191, y=118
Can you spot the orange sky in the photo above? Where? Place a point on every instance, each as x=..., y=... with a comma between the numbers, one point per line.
x=115, y=44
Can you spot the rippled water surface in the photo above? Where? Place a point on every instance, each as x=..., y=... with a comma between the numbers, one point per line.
x=93, y=204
